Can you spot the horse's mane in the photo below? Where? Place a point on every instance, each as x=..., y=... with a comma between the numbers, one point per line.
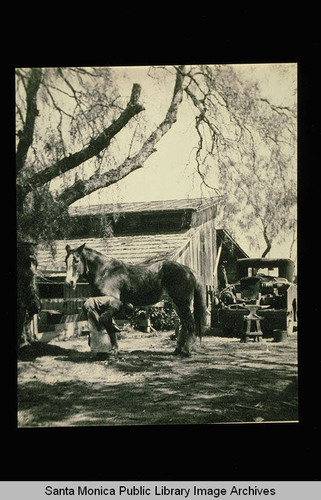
x=156, y=259
x=95, y=254
x=92, y=251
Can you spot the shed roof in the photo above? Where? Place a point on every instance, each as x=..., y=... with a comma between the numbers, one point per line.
x=233, y=247
x=129, y=249
x=193, y=204
x=138, y=246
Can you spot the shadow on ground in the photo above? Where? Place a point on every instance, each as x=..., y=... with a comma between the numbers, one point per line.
x=29, y=352
x=221, y=383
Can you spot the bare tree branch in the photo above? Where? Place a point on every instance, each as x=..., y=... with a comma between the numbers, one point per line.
x=95, y=146
x=82, y=187
x=278, y=109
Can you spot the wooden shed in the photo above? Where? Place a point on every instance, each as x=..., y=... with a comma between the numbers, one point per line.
x=180, y=230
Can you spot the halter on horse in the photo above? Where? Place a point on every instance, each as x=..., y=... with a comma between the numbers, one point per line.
x=121, y=286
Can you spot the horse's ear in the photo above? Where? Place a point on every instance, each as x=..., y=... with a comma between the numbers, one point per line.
x=68, y=249
x=80, y=249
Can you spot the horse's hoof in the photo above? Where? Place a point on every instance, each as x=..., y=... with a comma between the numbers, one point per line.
x=177, y=351
x=185, y=352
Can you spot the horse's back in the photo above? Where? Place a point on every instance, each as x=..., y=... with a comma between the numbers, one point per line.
x=141, y=285
x=144, y=284
x=179, y=280
x=171, y=270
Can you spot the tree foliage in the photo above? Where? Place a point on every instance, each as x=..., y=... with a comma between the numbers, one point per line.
x=247, y=147
x=78, y=132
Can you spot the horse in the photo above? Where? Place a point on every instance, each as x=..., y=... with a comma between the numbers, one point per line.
x=119, y=286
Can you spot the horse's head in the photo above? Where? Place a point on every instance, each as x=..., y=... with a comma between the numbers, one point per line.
x=75, y=264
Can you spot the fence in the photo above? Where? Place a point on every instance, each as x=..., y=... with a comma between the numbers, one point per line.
x=64, y=306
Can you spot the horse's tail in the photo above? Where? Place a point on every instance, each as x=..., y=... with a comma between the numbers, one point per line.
x=200, y=310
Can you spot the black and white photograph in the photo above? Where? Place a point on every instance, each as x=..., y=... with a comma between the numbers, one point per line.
x=157, y=245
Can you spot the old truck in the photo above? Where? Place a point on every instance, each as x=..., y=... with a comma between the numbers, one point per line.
x=262, y=302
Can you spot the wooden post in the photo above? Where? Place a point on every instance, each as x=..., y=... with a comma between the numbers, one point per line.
x=34, y=327
x=217, y=259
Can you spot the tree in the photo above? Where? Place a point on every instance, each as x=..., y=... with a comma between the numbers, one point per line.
x=250, y=155
x=95, y=120
x=70, y=119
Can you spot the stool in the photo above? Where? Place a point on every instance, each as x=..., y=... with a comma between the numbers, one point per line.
x=255, y=318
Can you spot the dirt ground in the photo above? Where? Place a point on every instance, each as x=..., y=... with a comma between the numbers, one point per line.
x=59, y=384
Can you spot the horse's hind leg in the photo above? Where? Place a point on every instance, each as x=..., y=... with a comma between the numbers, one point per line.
x=186, y=337
x=181, y=336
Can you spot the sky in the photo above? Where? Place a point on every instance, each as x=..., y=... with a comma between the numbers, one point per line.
x=168, y=173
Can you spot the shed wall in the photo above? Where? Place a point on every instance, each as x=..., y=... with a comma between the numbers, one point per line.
x=200, y=253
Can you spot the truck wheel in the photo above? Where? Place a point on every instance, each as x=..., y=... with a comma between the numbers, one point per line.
x=295, y=318
x=227, y=332
x=280, y=335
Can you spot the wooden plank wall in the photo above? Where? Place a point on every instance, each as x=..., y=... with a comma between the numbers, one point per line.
x=74, y=299
x=200, y=254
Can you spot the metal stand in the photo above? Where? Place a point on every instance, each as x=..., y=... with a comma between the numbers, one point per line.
x=255, y=318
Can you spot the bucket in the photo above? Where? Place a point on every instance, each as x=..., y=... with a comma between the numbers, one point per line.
x=279, y=335
x=99, y=342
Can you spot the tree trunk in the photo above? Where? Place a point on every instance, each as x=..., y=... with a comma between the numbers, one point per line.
x=268, y=242
x=28, y=302
x=26, y=134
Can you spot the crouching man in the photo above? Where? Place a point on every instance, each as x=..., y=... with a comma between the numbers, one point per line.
x=99, y=312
